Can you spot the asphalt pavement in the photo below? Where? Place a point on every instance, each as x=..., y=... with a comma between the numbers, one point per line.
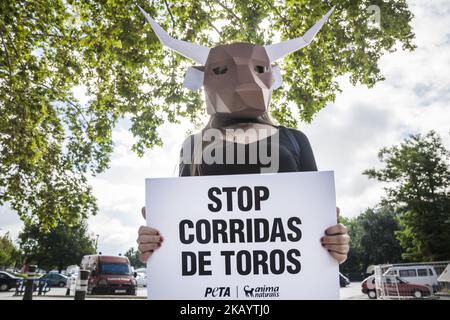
x=352, y=292
x=60, y=294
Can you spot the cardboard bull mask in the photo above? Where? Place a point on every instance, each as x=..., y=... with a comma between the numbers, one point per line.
x=238, y=78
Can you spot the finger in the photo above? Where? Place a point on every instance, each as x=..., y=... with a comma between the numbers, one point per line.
x=340, y=248
x=339, y=239
x=143, y=257
x=338, y=212
x=147, y=230
x=144, y=238
x=143, y=212
x=146, y=247
x=338, y=256
x=336, y=229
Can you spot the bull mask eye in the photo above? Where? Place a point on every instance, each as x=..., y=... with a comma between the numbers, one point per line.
x=220, y=70
x=261, y=69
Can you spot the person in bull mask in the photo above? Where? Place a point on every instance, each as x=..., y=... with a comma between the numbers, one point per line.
x=240, y=137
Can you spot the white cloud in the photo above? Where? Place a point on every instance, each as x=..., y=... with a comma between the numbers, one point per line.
x=9, y=222
x=81, y=94
x=114, y=236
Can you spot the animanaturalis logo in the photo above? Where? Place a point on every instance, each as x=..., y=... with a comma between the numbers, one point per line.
x=261, y=292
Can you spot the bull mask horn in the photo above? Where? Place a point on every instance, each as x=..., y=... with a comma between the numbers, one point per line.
x=279, y=50
x=192, y=51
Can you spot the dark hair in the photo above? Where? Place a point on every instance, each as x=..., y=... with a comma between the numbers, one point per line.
x=221, y=121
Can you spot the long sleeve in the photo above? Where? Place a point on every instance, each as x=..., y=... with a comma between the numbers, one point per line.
x=184, y=167
x=307, y=160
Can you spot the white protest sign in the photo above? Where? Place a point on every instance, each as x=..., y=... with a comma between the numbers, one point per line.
x=242, y=237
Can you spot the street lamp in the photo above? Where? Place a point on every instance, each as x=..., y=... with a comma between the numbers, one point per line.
x=96, y=243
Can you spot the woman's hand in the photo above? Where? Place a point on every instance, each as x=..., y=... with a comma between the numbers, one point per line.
x=149, y=240
x=336, y=241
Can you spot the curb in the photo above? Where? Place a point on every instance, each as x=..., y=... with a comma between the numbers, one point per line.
x=96, y=297
x=88, y=297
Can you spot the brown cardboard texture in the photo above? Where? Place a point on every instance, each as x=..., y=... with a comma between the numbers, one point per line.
x=238, y=80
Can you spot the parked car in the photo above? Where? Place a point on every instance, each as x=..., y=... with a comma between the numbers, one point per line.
x=343, y=280
x=109, y=275
x=368, y=287
x=73, y=269
x=72, y=272
x=422, y=274
x=398, y=287
x=55, y=279
x=141, y=270
x=7, y=281
x=141, y=279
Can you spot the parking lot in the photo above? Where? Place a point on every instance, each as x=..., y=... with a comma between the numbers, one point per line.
x=60, y=294
x=352, y=292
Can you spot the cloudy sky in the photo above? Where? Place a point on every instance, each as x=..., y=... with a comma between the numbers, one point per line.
x=345, y=136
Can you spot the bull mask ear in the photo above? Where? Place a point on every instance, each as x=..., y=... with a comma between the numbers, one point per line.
x=276, y=72
x=279, y=50
x=192, y=51
x=194, y=78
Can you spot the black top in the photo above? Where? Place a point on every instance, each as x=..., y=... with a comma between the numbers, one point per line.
x=295, y=154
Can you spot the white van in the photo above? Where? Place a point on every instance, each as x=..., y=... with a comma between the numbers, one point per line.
x=422, y=274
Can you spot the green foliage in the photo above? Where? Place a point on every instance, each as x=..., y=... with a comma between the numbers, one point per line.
x=50, y=141
x=373, y=240
x=133, y=255
x=418, y=173
x=9, y=254
x=60, y=247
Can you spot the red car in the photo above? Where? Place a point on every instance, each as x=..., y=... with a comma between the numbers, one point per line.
x=396, y=286
x=393, y=286
x=109, y=275
x=368, y=287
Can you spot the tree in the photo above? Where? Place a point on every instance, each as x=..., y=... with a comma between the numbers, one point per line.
x=133, y=255
x=9, y=253
x=373, y=239
x=60, y=247
x=354, y=263
x=418, y=173
x=50, y=141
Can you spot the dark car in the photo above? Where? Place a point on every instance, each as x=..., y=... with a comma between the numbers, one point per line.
x=343, y=280
x=55, y=279
x=7, y=281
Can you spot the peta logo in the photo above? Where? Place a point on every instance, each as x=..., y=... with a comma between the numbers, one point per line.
x=217, y=292
x=262, y=292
